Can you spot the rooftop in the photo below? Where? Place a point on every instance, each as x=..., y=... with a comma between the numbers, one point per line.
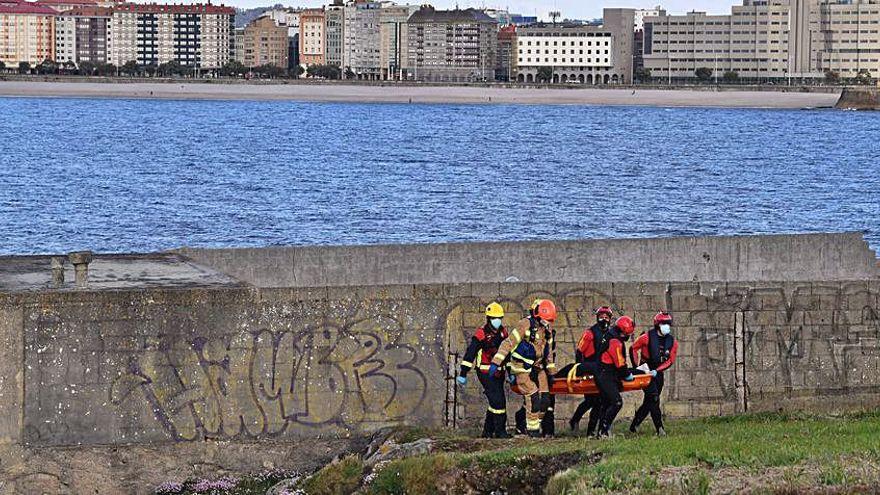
x=429, y=14
x=21, y=7
x=195, y=8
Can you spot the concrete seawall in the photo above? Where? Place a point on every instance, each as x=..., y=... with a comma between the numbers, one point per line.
x=123, y=385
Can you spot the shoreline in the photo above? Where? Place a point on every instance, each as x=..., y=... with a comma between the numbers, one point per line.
x=417, y=94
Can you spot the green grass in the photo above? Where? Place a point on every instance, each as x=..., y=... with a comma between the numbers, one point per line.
x=339, y=478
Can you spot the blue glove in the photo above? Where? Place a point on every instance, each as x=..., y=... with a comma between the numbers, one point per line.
x=653, y=373
x=462, y=380
x=493, y=369
x=511, y=379
x=629, y=378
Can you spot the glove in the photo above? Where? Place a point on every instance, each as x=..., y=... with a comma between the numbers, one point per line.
x=629, y=378
x=511, y=379
x=462, y=380
x=653, y=373
x=493, y=369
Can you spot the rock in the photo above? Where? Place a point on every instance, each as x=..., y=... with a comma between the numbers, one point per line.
x=284, y=487
x=859, y=99
x=391, y=450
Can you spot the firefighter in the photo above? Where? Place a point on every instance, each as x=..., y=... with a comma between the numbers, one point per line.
x=657, y=347
x=483, y=346
x=612, y=369
x=528, y=348
x=586, y=355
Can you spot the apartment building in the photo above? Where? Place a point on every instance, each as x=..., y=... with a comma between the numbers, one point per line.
x=312, y=41
x=392, y=42
x=450, y=45
x=334, y=17
x=585, y=54
x=360, y=46
x=768, y=39
x=263, y=42
x=195, y=35
x=505, y=67
x=65, y=5
x=82, y=34
x=286, y=16
x=27, y=33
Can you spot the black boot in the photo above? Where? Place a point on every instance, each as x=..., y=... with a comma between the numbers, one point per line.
x=520, y=418
x=487, y=426
x=500, y=423
x=535, y=433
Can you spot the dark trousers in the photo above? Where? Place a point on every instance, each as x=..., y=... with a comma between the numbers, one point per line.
x=609, y=388
x=496, y=414
x=651, y=404
x=592, y=403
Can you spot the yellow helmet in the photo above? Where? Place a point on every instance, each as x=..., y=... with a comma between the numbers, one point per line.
x=535, y=304
x=494, y=310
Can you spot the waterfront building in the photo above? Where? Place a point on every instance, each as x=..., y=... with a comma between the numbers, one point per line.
x=335, y=21
x=312, y=37
x=768, y=39
x=27, y=33
x=392, y=42
x=450, y=45
x=289, y=17
x=360, y=46
x=263, y=42
x=506, y=58
x=587, y=54
x=82, y=34
x=200, y=36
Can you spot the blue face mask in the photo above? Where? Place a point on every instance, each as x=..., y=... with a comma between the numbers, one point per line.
x=665, y=329
x=496, y=323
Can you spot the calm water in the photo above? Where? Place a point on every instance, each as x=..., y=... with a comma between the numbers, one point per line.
x=117, y=175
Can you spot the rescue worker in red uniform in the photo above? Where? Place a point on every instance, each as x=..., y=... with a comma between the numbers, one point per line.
x=612, y=369
x=586, y=355
x=482, y=348
x=529, y=348
x=658, y=348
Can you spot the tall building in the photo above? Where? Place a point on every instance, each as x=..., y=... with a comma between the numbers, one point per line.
x=195, y=35
x=506, y=66
x=768, y=39
x=335, y=21
x=82, y=34
x=450, y=45
x=312, y=37
x=263, y=42
x=586, y=54
x=360, y=46
x=286, y=16
x=27, y=32
x=392, y=42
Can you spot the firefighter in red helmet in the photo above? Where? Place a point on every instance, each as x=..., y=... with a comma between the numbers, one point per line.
x=589, y=347
x=657, y=347
x=612, y=369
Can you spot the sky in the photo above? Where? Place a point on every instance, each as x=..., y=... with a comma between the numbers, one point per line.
x=571, y=9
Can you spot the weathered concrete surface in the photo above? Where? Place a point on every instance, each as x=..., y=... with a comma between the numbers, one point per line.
x=140, y=371
x=678, y=259
x=859, y=99
x=111, y=271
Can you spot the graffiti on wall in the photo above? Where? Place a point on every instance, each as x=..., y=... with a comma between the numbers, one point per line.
x=263, y=383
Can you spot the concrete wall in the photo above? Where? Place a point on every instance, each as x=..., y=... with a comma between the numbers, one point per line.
x=112, y=391
x=774, y=257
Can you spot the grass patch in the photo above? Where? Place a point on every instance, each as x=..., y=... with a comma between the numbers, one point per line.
x=413, y=476
x=339, y=478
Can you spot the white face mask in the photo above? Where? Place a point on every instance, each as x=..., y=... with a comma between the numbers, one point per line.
x=496, y=323
x=665, y=329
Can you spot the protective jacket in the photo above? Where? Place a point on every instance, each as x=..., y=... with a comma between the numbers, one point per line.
x=528, y=345
x=657, y=350
x=482, y=348
x=591, y=345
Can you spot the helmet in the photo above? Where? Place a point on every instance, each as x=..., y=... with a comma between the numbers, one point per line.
x=494, y=310
x=662, y=317
x=546, y=310
x=626, y=325
x=604, y=310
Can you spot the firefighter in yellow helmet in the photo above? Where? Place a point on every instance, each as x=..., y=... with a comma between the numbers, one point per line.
x=529, y=349
x=482, y=348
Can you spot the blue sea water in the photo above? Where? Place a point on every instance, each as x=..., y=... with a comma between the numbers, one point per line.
x=146, y=175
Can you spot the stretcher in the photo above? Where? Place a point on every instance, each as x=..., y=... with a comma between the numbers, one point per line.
x=570, y=384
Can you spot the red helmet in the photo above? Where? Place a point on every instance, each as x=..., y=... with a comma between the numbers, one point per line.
x=604, y=310
x=626, y=325
x=662, y=317
x=546, y=310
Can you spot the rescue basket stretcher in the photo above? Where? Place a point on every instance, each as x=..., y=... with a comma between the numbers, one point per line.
x=571, y=384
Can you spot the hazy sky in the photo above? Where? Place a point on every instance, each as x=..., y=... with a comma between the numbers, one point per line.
x=574, y=9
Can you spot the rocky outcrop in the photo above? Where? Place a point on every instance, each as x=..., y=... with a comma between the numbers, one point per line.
x=859, y=99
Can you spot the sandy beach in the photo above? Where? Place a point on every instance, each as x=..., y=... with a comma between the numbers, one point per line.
x=420, y=94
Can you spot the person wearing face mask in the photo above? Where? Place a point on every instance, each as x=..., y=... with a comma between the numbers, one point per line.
x=586, y=355
x=612, y=369
x=529, y=348
x=482, y=348
x=657, y=347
